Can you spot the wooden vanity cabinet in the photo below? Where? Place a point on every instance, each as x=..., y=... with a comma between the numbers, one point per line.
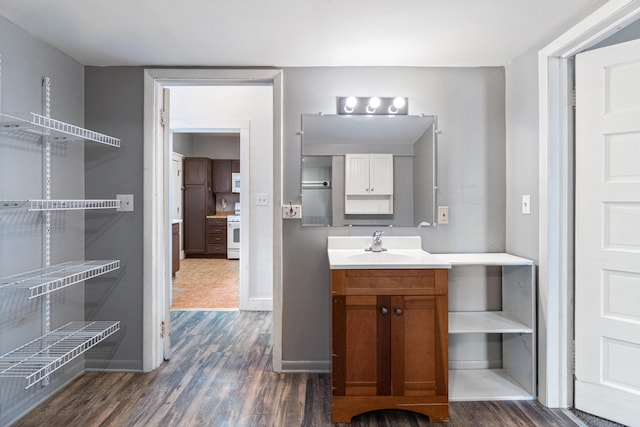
x=389, y=342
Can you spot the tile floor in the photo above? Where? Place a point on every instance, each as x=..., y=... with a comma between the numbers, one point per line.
x=206, y=284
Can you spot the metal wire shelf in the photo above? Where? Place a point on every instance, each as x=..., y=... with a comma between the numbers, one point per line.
x=46, y=280
x=59, y=205
x=41, y=125
x=42, y=356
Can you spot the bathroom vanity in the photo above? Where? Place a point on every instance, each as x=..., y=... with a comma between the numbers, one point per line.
x=389, y=328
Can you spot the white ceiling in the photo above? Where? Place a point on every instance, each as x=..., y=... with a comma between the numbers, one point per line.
x=294, y=32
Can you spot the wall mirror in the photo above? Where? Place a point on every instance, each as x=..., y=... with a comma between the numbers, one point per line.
x=368, y=170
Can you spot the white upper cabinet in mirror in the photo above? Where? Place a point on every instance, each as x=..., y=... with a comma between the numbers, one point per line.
x=327, y=139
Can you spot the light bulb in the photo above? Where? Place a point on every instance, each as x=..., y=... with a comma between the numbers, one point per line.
x=374, y=102
x=351, y=102
x=398, y=102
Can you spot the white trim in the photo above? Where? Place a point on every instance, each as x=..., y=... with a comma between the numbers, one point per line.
x=306, y=366
x=555, y=310
x=154, y=196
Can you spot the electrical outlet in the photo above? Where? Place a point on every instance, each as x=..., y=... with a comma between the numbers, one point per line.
x=291, y=211
x=126, y=202
x=526, y=204
x=262, y=199
x=443, y=214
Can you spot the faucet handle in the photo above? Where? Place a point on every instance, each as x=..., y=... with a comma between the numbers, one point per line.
x=378, y=233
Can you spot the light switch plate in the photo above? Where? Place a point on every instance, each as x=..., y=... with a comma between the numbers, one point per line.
x=526, y=204
x=262, y=199
x=126, y=202
x=443, y=214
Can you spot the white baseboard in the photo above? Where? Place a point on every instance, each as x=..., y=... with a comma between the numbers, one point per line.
x=257, y=304
x=306, y=366
x=475, y=364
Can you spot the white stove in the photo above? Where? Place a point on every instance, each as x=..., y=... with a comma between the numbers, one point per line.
x=233, y=234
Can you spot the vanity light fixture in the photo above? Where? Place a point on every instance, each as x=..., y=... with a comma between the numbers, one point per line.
x=373, y=105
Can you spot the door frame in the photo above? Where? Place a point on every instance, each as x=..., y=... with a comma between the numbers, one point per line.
x=157, y=238
x=556, y=221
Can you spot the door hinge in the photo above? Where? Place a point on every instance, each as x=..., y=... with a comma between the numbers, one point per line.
x=573, y=359
x=572, y=97
x=162, y=329
x=163, y=118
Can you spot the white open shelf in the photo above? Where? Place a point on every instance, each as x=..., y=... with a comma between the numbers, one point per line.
x=45, y=280
x=485, y=384
x=485, y=322
x=42, y=356
x=515, y=323
x=36, y=205
x=487, y=259
x=40, y=125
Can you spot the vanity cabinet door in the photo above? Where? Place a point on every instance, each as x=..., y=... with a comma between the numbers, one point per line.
x=389, y=345
x=418, y=346
x=355, y=340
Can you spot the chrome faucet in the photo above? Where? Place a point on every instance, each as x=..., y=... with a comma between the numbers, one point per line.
x=376, y=244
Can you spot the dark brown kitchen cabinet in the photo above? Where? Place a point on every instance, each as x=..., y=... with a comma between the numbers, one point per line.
x=389, y=342
x=222, y=176
x=222, y=170
x=217, y=236
x=198, y=203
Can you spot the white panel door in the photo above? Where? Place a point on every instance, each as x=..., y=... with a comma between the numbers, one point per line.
x=607, y=300
x=356, y=180
x=381, y=174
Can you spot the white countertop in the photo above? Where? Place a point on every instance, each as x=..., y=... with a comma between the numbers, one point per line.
x=403, y=252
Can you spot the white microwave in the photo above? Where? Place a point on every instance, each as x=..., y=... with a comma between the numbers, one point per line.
x=235, y=182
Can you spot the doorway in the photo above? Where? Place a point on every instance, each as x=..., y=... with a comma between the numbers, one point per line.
x=555, y=307
x=207, y=281
x=156, y=212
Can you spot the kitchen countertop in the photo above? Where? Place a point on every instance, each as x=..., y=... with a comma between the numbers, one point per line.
x=221, y=214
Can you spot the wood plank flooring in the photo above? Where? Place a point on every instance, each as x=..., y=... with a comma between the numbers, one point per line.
x=221, y=375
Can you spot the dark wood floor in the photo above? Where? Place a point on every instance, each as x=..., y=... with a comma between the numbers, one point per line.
x=221, y=375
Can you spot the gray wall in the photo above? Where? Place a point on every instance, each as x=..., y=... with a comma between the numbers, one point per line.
x=469, y=103
x=631, y=32
x=24, y=62
x=183, y=144
x=522, y=154
x=114, y=105
x=522, y=144
x=217, y=146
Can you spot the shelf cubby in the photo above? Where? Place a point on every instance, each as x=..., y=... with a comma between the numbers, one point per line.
x=514, y=323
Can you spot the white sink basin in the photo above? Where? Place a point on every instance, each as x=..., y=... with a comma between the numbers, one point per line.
x=402, y=252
